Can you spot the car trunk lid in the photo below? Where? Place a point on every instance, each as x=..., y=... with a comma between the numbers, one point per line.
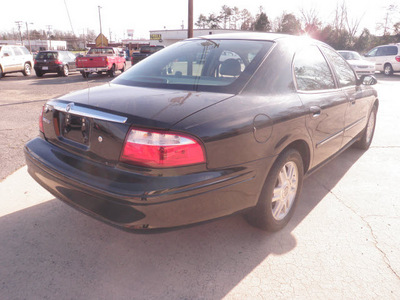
x=94, y=122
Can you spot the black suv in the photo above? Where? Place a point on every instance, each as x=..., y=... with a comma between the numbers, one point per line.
x=54, y=61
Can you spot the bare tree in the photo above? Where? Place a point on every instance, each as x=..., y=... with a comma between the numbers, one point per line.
x=387, y=24
x=310, y=20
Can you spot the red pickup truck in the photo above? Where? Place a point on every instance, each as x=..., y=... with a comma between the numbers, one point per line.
x=99, y=60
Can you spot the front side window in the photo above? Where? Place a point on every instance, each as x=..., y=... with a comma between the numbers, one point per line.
x=372, y=52
x=199, y=64
x=312, y=71
x=17, y=51
x=24, y=50
x=343, y=71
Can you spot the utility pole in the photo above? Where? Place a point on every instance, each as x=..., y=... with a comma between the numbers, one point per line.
x=49, y=27
x=29, y=39
x=190, y=19
x=19, y=24
x=101, y=31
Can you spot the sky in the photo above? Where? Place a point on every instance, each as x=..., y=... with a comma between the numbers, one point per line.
x=144, y=15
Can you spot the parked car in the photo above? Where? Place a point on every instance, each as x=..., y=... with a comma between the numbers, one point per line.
x=386, y=58
x=145, y=51
x=54, y=61
x=360, y=65
x=100, y=60
x=15, y=58
x=172, y=142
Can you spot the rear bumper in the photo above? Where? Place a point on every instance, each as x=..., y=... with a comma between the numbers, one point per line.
x=96, y=69
x=48, y=69
x=136, y=201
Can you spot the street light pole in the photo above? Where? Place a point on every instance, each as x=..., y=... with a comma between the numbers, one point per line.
x=101, y=31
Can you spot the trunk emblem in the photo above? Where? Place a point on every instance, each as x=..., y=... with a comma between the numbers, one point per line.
x=100, y=139
x=69, y=106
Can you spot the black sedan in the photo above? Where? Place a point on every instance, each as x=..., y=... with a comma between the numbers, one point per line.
x=178, y=140
x=54, y=61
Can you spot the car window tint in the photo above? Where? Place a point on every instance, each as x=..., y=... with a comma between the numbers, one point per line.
x=197, y=64
x=17, y=51
x=312, y=71
x=343, y=71
x=390, y=50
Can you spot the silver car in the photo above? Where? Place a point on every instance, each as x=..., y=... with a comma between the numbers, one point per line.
x=360, y=65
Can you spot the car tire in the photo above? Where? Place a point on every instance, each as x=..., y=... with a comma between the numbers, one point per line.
x=1, y=73
x=64, y=71
x=85, y=74
x=39, y=74
x=368, y=132
x=279, y=194
x=27, y=69
x=388, y=70
x=123, y=68
x=111, y=72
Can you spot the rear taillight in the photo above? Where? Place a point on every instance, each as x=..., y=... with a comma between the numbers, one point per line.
x=160, y=149
x=58, y=62
x=34, y=62
x=41, y=121
x=398, y=58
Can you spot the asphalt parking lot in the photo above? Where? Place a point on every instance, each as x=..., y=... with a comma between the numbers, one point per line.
x=342, y=243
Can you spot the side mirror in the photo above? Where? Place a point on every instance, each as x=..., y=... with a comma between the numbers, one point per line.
x=367, y=80
x=6, y=54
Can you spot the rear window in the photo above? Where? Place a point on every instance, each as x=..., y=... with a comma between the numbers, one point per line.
x=98, y=51
x=200, y=64
x=150, y=49
x=47, y=55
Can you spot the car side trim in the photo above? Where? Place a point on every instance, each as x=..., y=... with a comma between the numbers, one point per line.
x=354, y=124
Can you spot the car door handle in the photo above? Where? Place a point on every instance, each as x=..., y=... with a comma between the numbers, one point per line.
x=316, y=111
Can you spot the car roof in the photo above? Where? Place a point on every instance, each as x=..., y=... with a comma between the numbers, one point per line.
x=251, y=36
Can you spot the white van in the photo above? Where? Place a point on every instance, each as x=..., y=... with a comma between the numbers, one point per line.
x=386, y=58
x=15, y=58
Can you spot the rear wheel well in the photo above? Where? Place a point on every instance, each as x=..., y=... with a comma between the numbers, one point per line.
x=302, y=147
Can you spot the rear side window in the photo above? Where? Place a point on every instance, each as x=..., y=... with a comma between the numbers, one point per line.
x=312, y=71
x=7, y=51
x=343, y=71
x=387, y=51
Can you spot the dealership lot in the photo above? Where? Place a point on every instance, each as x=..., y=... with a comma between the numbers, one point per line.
x=343, y=241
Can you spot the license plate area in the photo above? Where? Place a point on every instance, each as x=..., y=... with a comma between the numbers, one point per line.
x=75, y=128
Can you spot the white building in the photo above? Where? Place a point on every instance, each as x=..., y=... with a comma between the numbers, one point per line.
x=37, y=45
x=169, y=37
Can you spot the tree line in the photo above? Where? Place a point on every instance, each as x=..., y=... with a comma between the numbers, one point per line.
x=340, y=32
x=73, y=40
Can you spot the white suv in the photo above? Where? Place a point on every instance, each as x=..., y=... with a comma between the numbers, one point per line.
x=386, y=58
x=15, y=58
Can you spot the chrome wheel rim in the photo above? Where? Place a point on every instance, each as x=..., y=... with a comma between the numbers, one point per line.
x=27, y=69
x=370, y=127
x=388, y=70
x=285, y=190
x=65, y=70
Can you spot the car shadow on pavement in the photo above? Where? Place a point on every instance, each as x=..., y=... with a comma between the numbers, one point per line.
x=52, y=251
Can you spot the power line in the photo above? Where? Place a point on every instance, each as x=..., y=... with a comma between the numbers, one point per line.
x=66, y=7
